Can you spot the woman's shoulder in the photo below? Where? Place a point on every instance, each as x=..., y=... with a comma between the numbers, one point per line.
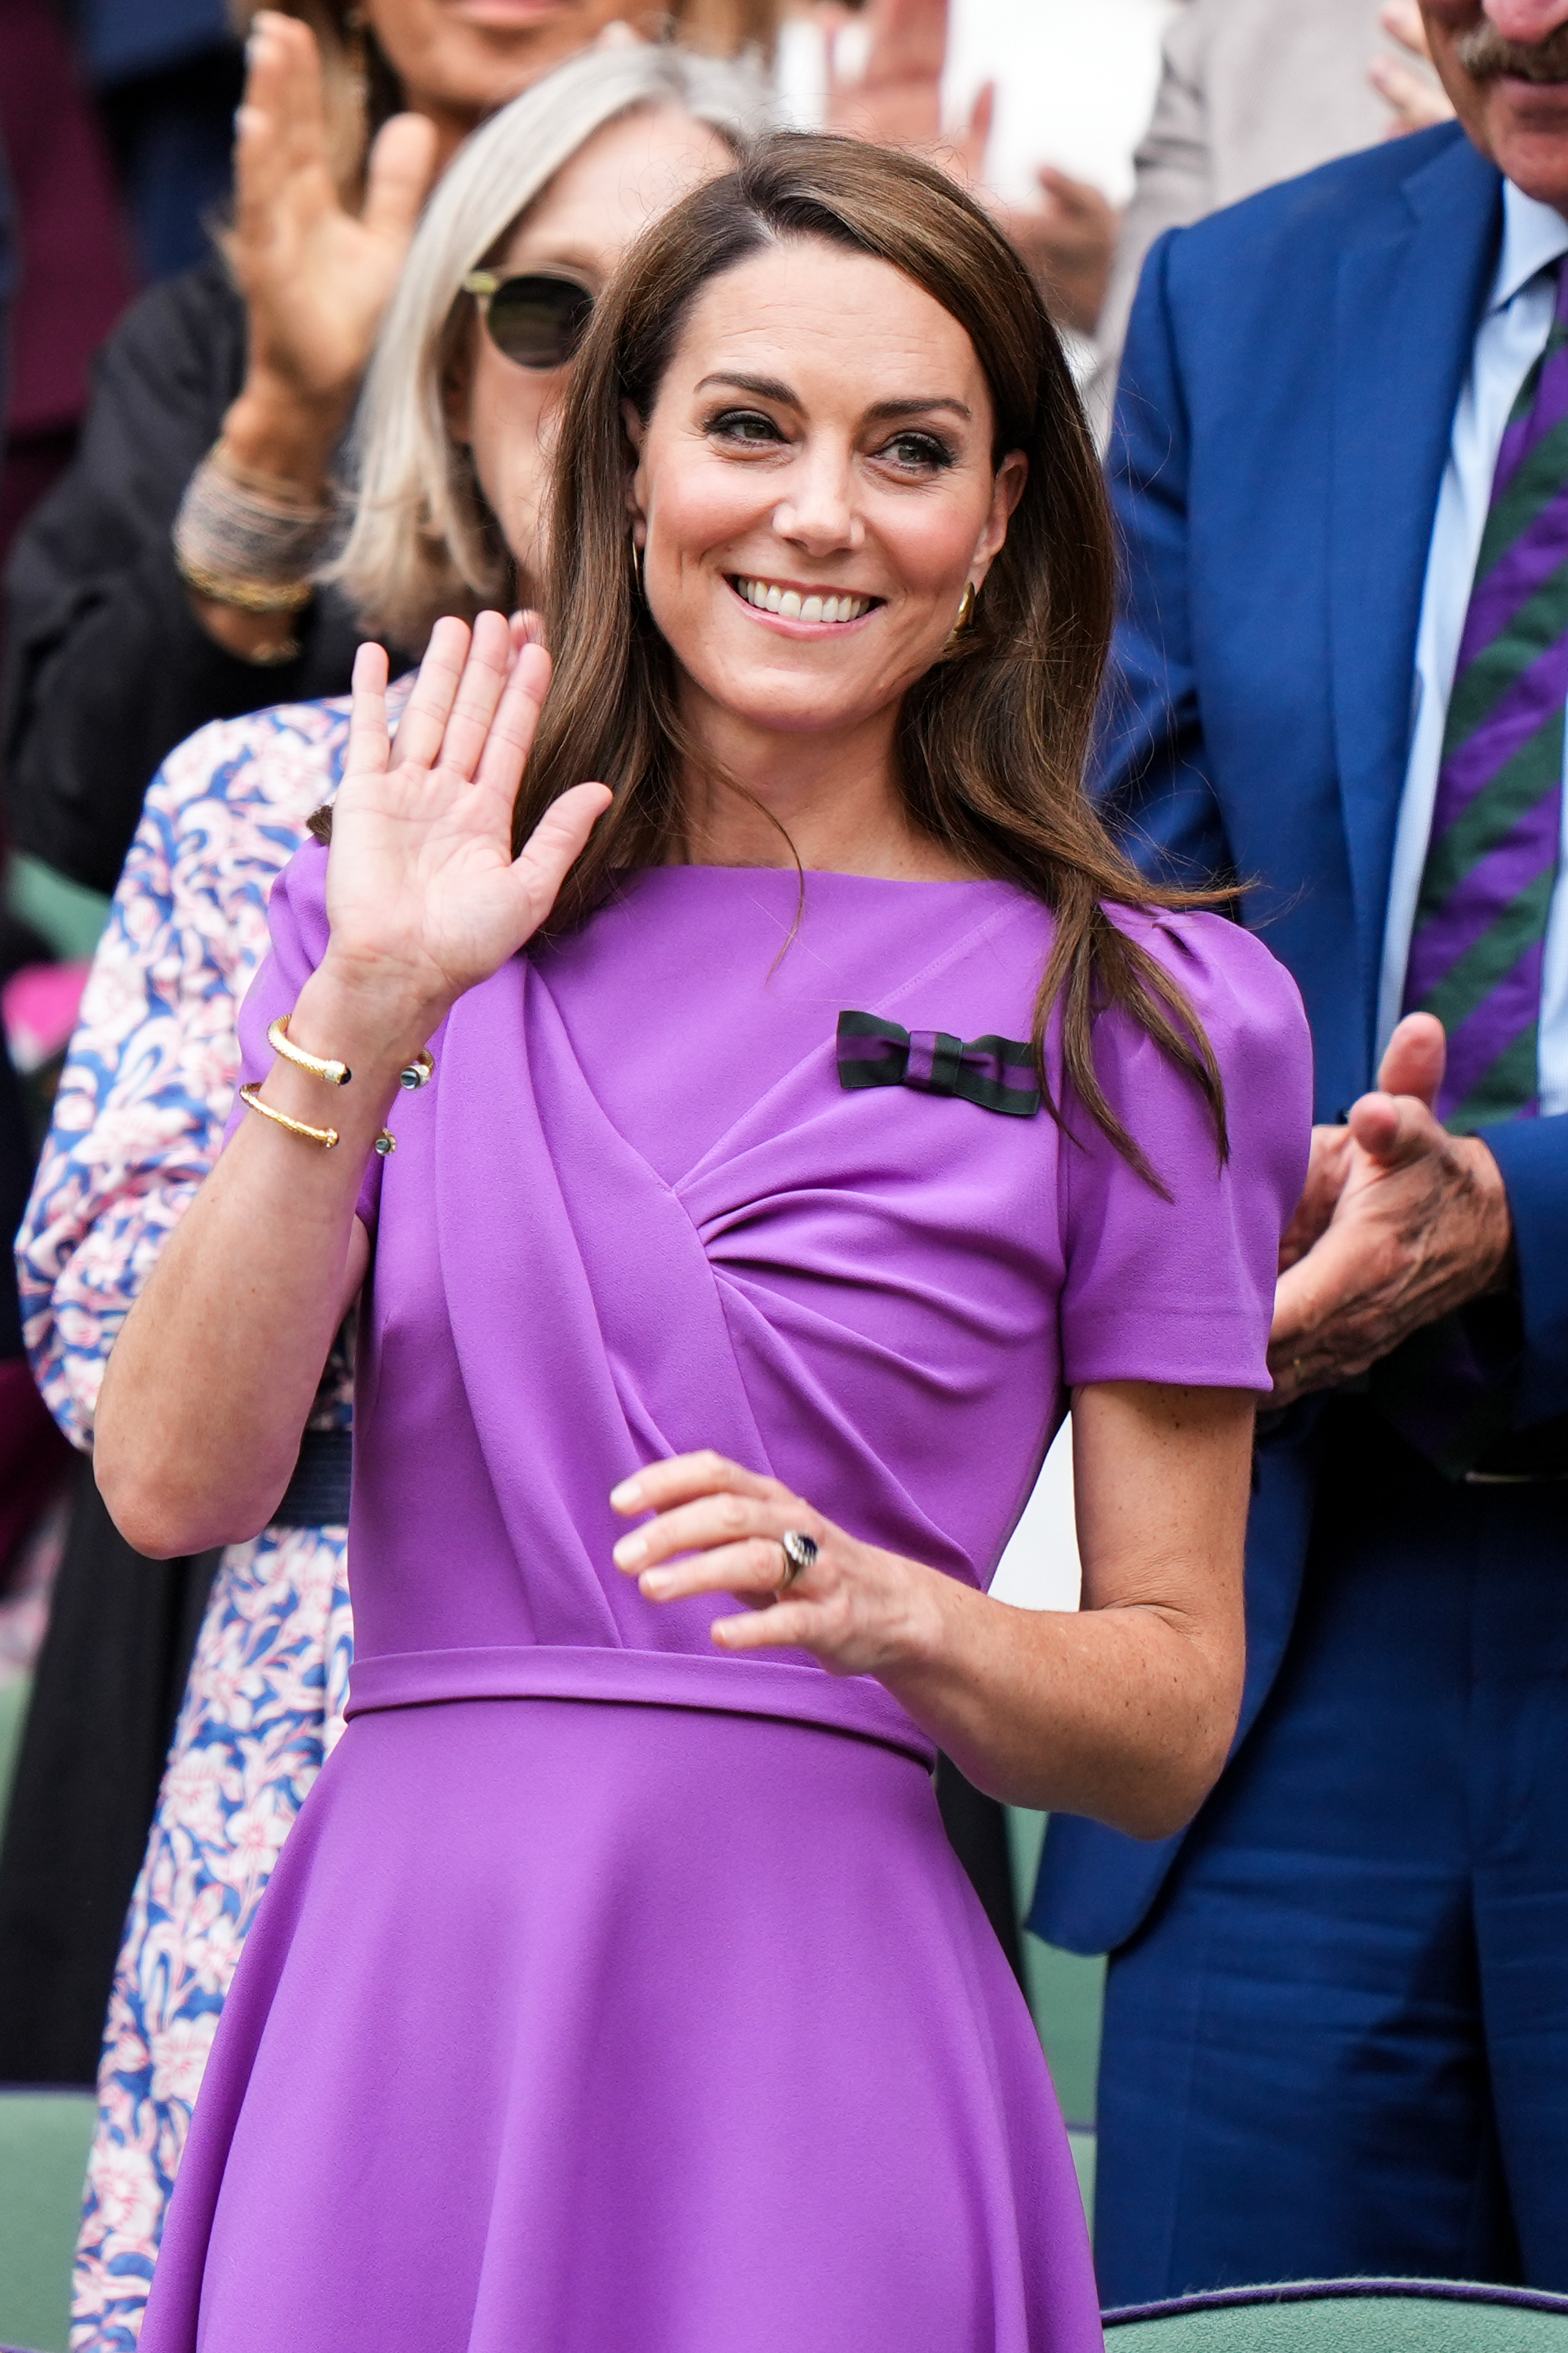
x=1236, y=985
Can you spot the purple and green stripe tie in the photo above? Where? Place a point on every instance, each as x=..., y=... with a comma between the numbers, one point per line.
x=1479, y=932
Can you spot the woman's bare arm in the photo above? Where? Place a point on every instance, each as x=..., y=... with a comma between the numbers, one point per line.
x=213, y=1376
x=1123, y=1711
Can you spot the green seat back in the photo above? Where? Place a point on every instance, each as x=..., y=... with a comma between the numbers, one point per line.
x=44, y=2141
x=1458, y=2321
x=14, y=1697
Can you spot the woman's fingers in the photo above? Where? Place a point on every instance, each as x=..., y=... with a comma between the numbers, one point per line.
x=399, y=174
x=426, y=714
x=478, y=698
x=705, y=1524
x=368, y=750
x=258, y=164
x=786, y=1626
x=552, y=850
x=512, y=731
x=681, y=1477
x=304, y=98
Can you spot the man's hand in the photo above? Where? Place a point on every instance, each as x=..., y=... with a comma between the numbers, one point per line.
x=1408, y=83
x=1399, y=1223
x=1069, y=242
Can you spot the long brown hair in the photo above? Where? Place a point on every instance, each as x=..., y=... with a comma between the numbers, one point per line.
x=992, y=741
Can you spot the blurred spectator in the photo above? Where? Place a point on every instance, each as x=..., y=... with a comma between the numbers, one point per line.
x=114, y=656
x=1254, y=91
x=887, y=73
x=1335, y=2017
x=168, y=75
x=31, y=1468
x=74, y=272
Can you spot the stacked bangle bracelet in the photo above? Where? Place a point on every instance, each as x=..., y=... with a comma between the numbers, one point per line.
x=418, y=1072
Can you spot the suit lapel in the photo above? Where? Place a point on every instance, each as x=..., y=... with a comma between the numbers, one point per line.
x=1409, y=295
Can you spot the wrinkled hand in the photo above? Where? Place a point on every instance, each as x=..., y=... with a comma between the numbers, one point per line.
x=316, y=280
x=1416, y=97
x=424, y=896
x=860, y=1610
x=1069, y=242
x=1400, y=1222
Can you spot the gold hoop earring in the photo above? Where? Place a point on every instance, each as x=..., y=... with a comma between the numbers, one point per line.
x=966, y=603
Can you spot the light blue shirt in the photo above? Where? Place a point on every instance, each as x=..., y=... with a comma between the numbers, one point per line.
x=1510, y=338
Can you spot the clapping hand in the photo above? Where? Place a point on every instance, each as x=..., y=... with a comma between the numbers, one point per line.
x=424, y=895
x=1067, y=239
x=1399, y=1223
x=897, y=100
x=316, y=277
x=1411, y=89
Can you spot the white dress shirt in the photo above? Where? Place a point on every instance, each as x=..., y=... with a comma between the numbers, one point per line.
x=1511, y=336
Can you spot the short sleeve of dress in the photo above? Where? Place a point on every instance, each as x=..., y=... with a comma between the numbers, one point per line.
x=298, y=928
x=1181, y=1290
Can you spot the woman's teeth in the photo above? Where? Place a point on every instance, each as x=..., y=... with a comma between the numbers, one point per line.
x=791, y=605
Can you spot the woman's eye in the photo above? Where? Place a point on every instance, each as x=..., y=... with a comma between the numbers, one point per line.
x=749, y=427
x=917, y=452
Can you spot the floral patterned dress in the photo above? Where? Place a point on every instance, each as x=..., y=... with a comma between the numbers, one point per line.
x=138, y=1123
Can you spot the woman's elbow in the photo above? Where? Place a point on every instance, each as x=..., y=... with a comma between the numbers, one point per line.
x=1160, y=1801
x=159, y=1514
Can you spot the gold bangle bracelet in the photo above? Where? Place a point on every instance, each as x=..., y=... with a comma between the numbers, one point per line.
x=247, y=596
x=336, y=1074
x=250, y=1096
x=418, y=1073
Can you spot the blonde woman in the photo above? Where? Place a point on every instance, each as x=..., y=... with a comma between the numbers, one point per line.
x=448, y=523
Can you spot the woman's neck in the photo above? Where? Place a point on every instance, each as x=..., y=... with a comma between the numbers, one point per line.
x=834, y=799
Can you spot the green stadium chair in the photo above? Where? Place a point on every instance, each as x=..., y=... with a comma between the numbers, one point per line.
x=1366, y=2315
x=14, y=1697
x=44, y=2141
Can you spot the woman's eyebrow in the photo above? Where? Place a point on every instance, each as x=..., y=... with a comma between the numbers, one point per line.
x=764, y=387
x=767, y=387
x=880, y=411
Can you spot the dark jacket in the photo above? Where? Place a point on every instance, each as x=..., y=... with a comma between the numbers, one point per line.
x=106, y=667
x=1284, y=417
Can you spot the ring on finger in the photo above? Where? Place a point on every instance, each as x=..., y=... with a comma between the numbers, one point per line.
x=799, y=1551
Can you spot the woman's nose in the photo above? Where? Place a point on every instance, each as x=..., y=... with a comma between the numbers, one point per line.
x=819, y=512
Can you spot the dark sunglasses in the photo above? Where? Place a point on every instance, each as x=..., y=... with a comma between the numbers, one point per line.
x=537, y=322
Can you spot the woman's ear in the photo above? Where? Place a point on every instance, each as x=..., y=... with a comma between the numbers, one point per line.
x=1006, y=490
x=636, y=432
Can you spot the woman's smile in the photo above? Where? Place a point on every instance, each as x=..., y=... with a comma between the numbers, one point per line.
x=800, y=609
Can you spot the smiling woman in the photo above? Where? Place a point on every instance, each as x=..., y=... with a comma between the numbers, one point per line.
x=817, y=1102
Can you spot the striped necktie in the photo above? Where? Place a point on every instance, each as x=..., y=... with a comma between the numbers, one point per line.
x=1477, y=945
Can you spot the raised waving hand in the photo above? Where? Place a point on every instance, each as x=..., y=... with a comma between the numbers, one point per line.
x=316, y=277
x=424, y=895
x=214, y=1373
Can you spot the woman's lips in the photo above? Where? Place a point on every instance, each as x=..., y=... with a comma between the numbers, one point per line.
x=795, y=602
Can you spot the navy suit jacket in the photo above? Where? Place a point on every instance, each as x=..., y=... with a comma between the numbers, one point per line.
x=1283, y=421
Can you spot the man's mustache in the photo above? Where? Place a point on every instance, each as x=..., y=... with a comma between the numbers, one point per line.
x=1485, y=55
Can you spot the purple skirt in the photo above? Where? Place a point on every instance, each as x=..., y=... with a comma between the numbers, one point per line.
x=576, y=2027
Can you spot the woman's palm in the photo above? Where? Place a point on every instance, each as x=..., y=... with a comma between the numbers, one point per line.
x=422, y=884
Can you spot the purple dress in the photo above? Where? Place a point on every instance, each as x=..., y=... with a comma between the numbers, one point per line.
x=614, y=1995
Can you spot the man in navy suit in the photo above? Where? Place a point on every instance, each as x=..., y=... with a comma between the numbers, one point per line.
x=1336, y=2032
